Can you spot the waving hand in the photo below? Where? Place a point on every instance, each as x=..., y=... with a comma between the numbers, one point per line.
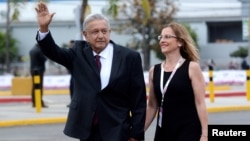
x=44, y=18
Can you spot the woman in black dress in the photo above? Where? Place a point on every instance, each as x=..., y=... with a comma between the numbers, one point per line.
x=177, y=89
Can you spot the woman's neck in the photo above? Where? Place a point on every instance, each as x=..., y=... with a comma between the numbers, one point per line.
x=172, y=59
x=170, y=62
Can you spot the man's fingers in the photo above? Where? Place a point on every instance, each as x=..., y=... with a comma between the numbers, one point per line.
x=41, y=4
x=52, y=15
x=37, y=11
x=41, y=7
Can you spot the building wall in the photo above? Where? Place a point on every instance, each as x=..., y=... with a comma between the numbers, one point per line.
x=62, y=33
x=63, y=27
x=219, y=52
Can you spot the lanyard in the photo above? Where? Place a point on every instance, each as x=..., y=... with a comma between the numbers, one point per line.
x=163, y=90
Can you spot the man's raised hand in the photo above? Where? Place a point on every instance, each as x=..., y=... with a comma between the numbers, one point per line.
x=43, y=16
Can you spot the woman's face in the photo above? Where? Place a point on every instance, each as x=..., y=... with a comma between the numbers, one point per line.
x=168, y=41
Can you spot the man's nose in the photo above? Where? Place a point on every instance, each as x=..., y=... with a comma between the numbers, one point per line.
x=100, y=34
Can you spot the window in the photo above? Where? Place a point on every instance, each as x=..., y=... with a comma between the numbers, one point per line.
x=224, y=32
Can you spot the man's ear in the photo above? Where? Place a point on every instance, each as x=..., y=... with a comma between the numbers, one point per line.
x=84, y=33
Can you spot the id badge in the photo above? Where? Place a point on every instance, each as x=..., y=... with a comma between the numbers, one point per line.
x=160, y=117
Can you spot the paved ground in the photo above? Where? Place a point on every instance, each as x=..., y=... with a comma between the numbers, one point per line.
x=17, y=110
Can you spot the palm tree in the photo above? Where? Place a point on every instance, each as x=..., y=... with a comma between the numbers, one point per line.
x=7, y=60
x=11, y=5
x=12, y=14
x=84, y=7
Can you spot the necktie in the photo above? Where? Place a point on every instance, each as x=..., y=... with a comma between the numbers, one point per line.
x=98, y=62
x=99, y=65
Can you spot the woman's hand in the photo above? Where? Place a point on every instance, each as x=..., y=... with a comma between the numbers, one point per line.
x=203, y=138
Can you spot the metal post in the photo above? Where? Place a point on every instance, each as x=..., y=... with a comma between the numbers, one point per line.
x=211, y=84
x=38, y=92
x=248, y=83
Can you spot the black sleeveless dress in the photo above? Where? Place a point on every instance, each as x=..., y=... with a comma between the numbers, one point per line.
x=180, y=120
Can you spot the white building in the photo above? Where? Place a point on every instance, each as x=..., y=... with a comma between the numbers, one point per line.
x=218, y=24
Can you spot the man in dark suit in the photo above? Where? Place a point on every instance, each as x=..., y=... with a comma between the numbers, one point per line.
x=109, y=100
x=37, y=67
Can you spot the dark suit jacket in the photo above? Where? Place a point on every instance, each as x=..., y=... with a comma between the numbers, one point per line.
x=125, y=92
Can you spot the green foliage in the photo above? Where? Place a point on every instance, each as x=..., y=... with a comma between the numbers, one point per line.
x=144, y=19
x=113, y=8
x=16, y=6
x=192, y=34
x=241, y=52
x=64, y=45
x=147, y=10
x=13, y=48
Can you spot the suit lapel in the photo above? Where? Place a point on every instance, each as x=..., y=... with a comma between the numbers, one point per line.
x=115, y=62
x=88, y=53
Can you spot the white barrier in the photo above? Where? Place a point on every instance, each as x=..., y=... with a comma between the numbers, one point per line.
x=221, y=77
x=5, y=81
x=227, y=77
x=53, y=82
x=49, y=82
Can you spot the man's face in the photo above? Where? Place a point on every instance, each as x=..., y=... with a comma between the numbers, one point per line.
x=97, y=34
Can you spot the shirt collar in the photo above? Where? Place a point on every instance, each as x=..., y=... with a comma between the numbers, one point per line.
x=106, y=52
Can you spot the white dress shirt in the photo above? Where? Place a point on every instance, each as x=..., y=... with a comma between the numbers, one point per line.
x=106, y=57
